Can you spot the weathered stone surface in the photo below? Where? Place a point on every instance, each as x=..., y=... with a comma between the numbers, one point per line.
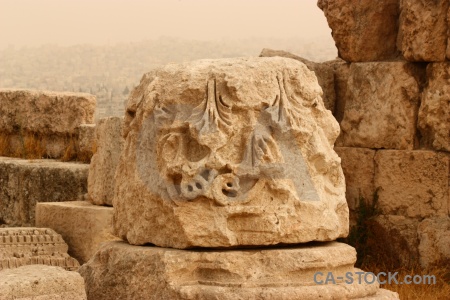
x=434, y=112
x=323, y=71
x=103, y=165
x=164, y=273
x=37, y=282
x=37, y=124
x=23, y=183
x=423, y=29
x=87, y=142
x=229, y=152
x=82, y=225
x=380, y=103
x=363, y=30
x=359, y=171
x=21, y=246
x=413, y=184
x=434, y=237
x=397, y=237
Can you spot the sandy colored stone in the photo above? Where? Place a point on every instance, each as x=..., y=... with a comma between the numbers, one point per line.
x=363, y=30
x=230, y=152
x=377, y=105
x=324, y=73
x=44, y=112
x=42, y=124
x=37, y=282
x=87, y=142
x=21, y=246
x=434, y=237
x=359, y=171
x=413, y=184
x=82, y=225
x=164, y=273
x=423, y=29
x=23, y=183
x=434, y=112
x=103, y=165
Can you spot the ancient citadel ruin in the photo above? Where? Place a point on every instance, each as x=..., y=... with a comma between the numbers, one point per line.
x=225, y=178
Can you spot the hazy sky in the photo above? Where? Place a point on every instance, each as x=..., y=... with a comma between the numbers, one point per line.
x=67, y=22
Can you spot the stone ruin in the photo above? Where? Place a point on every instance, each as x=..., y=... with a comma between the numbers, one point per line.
x=393, y=105
x=223, y=158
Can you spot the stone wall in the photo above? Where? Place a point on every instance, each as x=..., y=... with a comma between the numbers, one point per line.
x=393, y=106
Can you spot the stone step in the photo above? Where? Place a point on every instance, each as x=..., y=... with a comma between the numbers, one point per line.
x=23, y=183
x=83, y=226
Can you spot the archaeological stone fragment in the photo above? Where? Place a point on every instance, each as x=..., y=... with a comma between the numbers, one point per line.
x=230, y=152
x=323, y=71
x=20, y=246
x=109, y=144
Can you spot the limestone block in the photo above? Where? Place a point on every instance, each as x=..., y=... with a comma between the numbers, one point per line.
x=23, y=183
x=359, y=171
x=37, y=124
x=41, y=283
x=164, y=273
x=413, y=184
x=423, y=29
x=82, y=225
x=378, y=104
x=434, y=238
x=434, y=112
x=103, y=165
x=363, y=30
x=21, y=246
x=323, y=71
x=229, y=152
x=87, y=142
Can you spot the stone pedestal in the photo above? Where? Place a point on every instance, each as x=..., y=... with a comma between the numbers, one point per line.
x=311, y=271
x=83, y=226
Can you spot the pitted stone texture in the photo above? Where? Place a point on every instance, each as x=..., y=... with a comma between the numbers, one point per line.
x=164, y=273
x=82, y=225
x=42, y=124
x=37, y=282
x=434, y=237
x=44, y=112
x=363, y=30
x=423, y=29
x=413, y=184
x=21, y=246
x=378, y=105
x=434, y=112
x=359, y=171
x=23, y=183
x=229, y=152
x=323, y=71
x=103, y=165
x=87, y=142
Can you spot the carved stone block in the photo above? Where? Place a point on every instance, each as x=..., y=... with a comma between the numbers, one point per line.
x=21, y=246
x=23, y=183
x=83, y=226
x=164, y=273
x=230, y=152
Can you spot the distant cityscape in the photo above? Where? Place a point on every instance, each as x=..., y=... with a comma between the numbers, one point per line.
x=110, y=72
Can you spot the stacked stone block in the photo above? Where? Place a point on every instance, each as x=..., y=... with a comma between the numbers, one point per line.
x=392, y=103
